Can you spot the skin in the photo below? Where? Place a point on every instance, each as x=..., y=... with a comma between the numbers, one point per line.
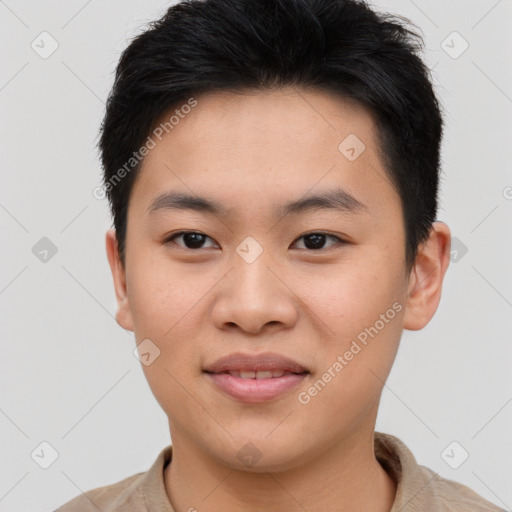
x=251, y=152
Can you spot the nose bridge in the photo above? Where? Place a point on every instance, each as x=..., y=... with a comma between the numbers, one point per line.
x=253, y=295
x=251, y=272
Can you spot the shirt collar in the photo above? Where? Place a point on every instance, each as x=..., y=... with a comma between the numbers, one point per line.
x=413, y=485
x=415, y=489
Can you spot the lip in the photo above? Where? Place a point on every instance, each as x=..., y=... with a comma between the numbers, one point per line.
x=266, y=361
x=257, y=390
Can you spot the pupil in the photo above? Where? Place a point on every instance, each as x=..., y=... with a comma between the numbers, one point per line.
x=317, y=239
x=193, y=240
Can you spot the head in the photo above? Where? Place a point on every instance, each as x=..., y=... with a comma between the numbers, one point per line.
x=306, y=135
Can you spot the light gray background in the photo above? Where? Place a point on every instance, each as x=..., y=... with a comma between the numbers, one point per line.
x=68, y=375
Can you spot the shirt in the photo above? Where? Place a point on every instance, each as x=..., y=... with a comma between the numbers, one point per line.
x=419, y=489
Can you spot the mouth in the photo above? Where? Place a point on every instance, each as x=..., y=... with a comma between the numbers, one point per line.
x=255, y=379
x=257, y=363
x=260, y=374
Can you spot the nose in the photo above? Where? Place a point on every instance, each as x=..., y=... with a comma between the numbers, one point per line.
x=255, y=297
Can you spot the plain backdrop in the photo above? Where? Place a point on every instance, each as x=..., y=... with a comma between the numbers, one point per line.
x=68, y=375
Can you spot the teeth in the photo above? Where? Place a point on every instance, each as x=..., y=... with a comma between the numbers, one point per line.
x=262, y=374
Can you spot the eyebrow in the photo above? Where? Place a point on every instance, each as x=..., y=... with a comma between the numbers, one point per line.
x=336, y=199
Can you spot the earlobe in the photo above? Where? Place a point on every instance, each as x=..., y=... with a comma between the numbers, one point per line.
x=426, y=277
x=123, y=313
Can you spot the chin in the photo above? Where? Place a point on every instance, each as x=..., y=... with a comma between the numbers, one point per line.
x=260, y=455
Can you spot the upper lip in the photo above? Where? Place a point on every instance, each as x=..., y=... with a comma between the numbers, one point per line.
x=257, y=362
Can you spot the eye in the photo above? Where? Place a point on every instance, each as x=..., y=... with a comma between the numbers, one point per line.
x=191, y=239
x=195, y=240
x=315, y=241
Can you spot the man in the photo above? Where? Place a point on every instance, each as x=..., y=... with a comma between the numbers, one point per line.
x=272, y=169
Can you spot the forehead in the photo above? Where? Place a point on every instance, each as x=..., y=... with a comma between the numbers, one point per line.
x=264, y=145
x=310, y=117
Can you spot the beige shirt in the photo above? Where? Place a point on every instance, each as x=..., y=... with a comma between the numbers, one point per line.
x=419, y=489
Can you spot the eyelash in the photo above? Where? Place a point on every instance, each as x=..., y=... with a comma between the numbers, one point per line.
x=327, y=235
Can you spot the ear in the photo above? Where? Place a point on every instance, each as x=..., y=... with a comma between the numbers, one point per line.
x=426, y=277
x=123, y=314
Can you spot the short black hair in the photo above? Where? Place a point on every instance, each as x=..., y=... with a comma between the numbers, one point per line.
x=340, y=46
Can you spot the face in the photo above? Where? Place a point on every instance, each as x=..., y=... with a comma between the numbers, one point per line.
x=322, y=283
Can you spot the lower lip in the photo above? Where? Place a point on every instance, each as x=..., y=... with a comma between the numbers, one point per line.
x=255, y=390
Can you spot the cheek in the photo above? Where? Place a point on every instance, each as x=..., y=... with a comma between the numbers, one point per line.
x=165, y=307
x=160, y=296
x=362, y=304
x=353, y=366
x=349, y=296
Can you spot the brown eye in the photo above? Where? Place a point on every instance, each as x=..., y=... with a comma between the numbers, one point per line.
x=191, y=239
x=316, y=241
x=312, y=241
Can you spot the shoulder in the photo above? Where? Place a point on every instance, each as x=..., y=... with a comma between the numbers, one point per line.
x=106, y=498
x=142, y=491
x=419, y=487
x=453, y=496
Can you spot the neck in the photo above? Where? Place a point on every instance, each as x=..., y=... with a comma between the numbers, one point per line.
x=345, y=477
